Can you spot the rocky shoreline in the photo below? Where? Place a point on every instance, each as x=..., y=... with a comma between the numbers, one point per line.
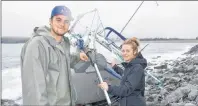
x=179, y=82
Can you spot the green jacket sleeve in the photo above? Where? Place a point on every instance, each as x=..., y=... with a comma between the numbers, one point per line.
x=33, y=74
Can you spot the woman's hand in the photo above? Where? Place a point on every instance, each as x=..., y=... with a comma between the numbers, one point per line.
x=113, y=62
x=104, y=86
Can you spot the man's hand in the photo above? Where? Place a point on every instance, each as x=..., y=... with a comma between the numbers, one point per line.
x=83, y=56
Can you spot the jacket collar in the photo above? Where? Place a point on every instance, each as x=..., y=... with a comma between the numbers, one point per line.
x=45, y=32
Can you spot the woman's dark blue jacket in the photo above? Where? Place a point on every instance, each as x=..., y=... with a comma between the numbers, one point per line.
x=132, y=85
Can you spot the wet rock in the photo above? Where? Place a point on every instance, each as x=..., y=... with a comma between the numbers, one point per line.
x=170, y=87
x=193, y=94
x=196, y=100
x=153, y=104
x=164, y=92
x=150, y=99
x=150, y=81
x=149, y=68
x=176, y=63
x=150, y=103
x=189, y=104
x=178, y=69
x=180, y=83
x=7, y=102
x=186, y=78
x=156, y=57
x=190, y=68
x=151, y=64
x=196, y=70
x=177, y=94
x=158, y=98
x=163, y=66
x=178, y=75
x=194, y=81
x=176, y=104
x=174, y=80
x=195, y=60
x=193, y=50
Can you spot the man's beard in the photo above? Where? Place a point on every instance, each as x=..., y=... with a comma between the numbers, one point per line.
x=57, y=33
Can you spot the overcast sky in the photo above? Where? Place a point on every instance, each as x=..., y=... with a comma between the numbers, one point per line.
x=169, y=19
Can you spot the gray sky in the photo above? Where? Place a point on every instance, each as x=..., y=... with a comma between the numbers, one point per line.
x=169, y=19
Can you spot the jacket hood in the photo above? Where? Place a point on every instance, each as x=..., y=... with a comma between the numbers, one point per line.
x=41, y=31
x=45, y=32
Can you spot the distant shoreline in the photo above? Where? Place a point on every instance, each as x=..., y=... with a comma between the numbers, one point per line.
x=170, y=41
x=15, y=40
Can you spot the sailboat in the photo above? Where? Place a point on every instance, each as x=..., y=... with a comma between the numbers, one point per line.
x=87, y=75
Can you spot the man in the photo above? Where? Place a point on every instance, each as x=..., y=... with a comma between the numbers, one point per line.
x=46, y=61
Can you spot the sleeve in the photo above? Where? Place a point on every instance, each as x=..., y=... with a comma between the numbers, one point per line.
x=33, y=74
x=133, y=79
x=118, y=69
x=74, y=58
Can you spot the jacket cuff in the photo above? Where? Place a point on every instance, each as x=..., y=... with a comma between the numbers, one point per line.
x=115, y=66
x=110, y=89
x=78, y=55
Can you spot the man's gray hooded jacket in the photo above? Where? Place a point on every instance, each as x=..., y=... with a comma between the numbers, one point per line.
x=45, y=70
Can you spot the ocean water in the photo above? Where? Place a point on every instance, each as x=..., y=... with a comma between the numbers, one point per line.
x=11, y=76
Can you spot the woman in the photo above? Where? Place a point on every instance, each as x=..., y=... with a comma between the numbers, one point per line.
x=132, y=85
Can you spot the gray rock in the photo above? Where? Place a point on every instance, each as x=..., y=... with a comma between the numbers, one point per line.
x=149, y=68
x=150, y=104
x=189, y=104
x=150, y=99
x=178, y=94
x=186, y=78
x=151, y=64
x=194, y=81
x=156, y=57
x=191, y=68
x=193, y=94
x=150, y=81
x=183, y=59
x=195, y=60
x=175, y=80
x=164, y=103
x=180, y=74
x=178, y=69
x=196, y=70
x=170, y=87
x=7, y=102
x=171, y=62
x=163, y=92
x=193, y=50
x=188, y=61
x=146, y=93
x=176, y=104
x=176, y=63
x=196, y=100
x=158, y=98
x=153, y=104
x=163, y=66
